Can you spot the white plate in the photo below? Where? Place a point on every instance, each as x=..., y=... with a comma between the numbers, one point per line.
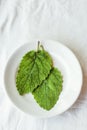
x=67, y=63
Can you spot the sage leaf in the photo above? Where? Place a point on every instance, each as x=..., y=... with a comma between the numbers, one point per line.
x=47, y=94
x=33, y=69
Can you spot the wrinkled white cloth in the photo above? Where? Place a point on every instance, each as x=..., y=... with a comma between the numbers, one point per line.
x=61, y=20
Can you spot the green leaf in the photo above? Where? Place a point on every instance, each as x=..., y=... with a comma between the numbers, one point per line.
x=33, y=69
x=48, y=92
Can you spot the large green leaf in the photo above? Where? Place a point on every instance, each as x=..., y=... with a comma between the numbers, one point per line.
x=33, y=69
x=48, y=92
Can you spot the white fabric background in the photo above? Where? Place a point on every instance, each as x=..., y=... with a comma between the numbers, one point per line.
x=61, y=20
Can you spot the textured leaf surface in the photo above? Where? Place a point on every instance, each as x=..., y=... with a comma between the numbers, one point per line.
x=33, y=69
x=48, y=92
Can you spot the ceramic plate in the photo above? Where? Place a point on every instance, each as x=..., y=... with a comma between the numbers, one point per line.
x=67, y=63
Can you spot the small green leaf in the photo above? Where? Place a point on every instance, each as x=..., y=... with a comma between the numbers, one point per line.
x=48, y=92
x=33, y=69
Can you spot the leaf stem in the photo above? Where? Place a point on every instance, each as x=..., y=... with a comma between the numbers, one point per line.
x=40, y=47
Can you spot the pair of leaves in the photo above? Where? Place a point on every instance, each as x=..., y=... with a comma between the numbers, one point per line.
x=37, y=75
